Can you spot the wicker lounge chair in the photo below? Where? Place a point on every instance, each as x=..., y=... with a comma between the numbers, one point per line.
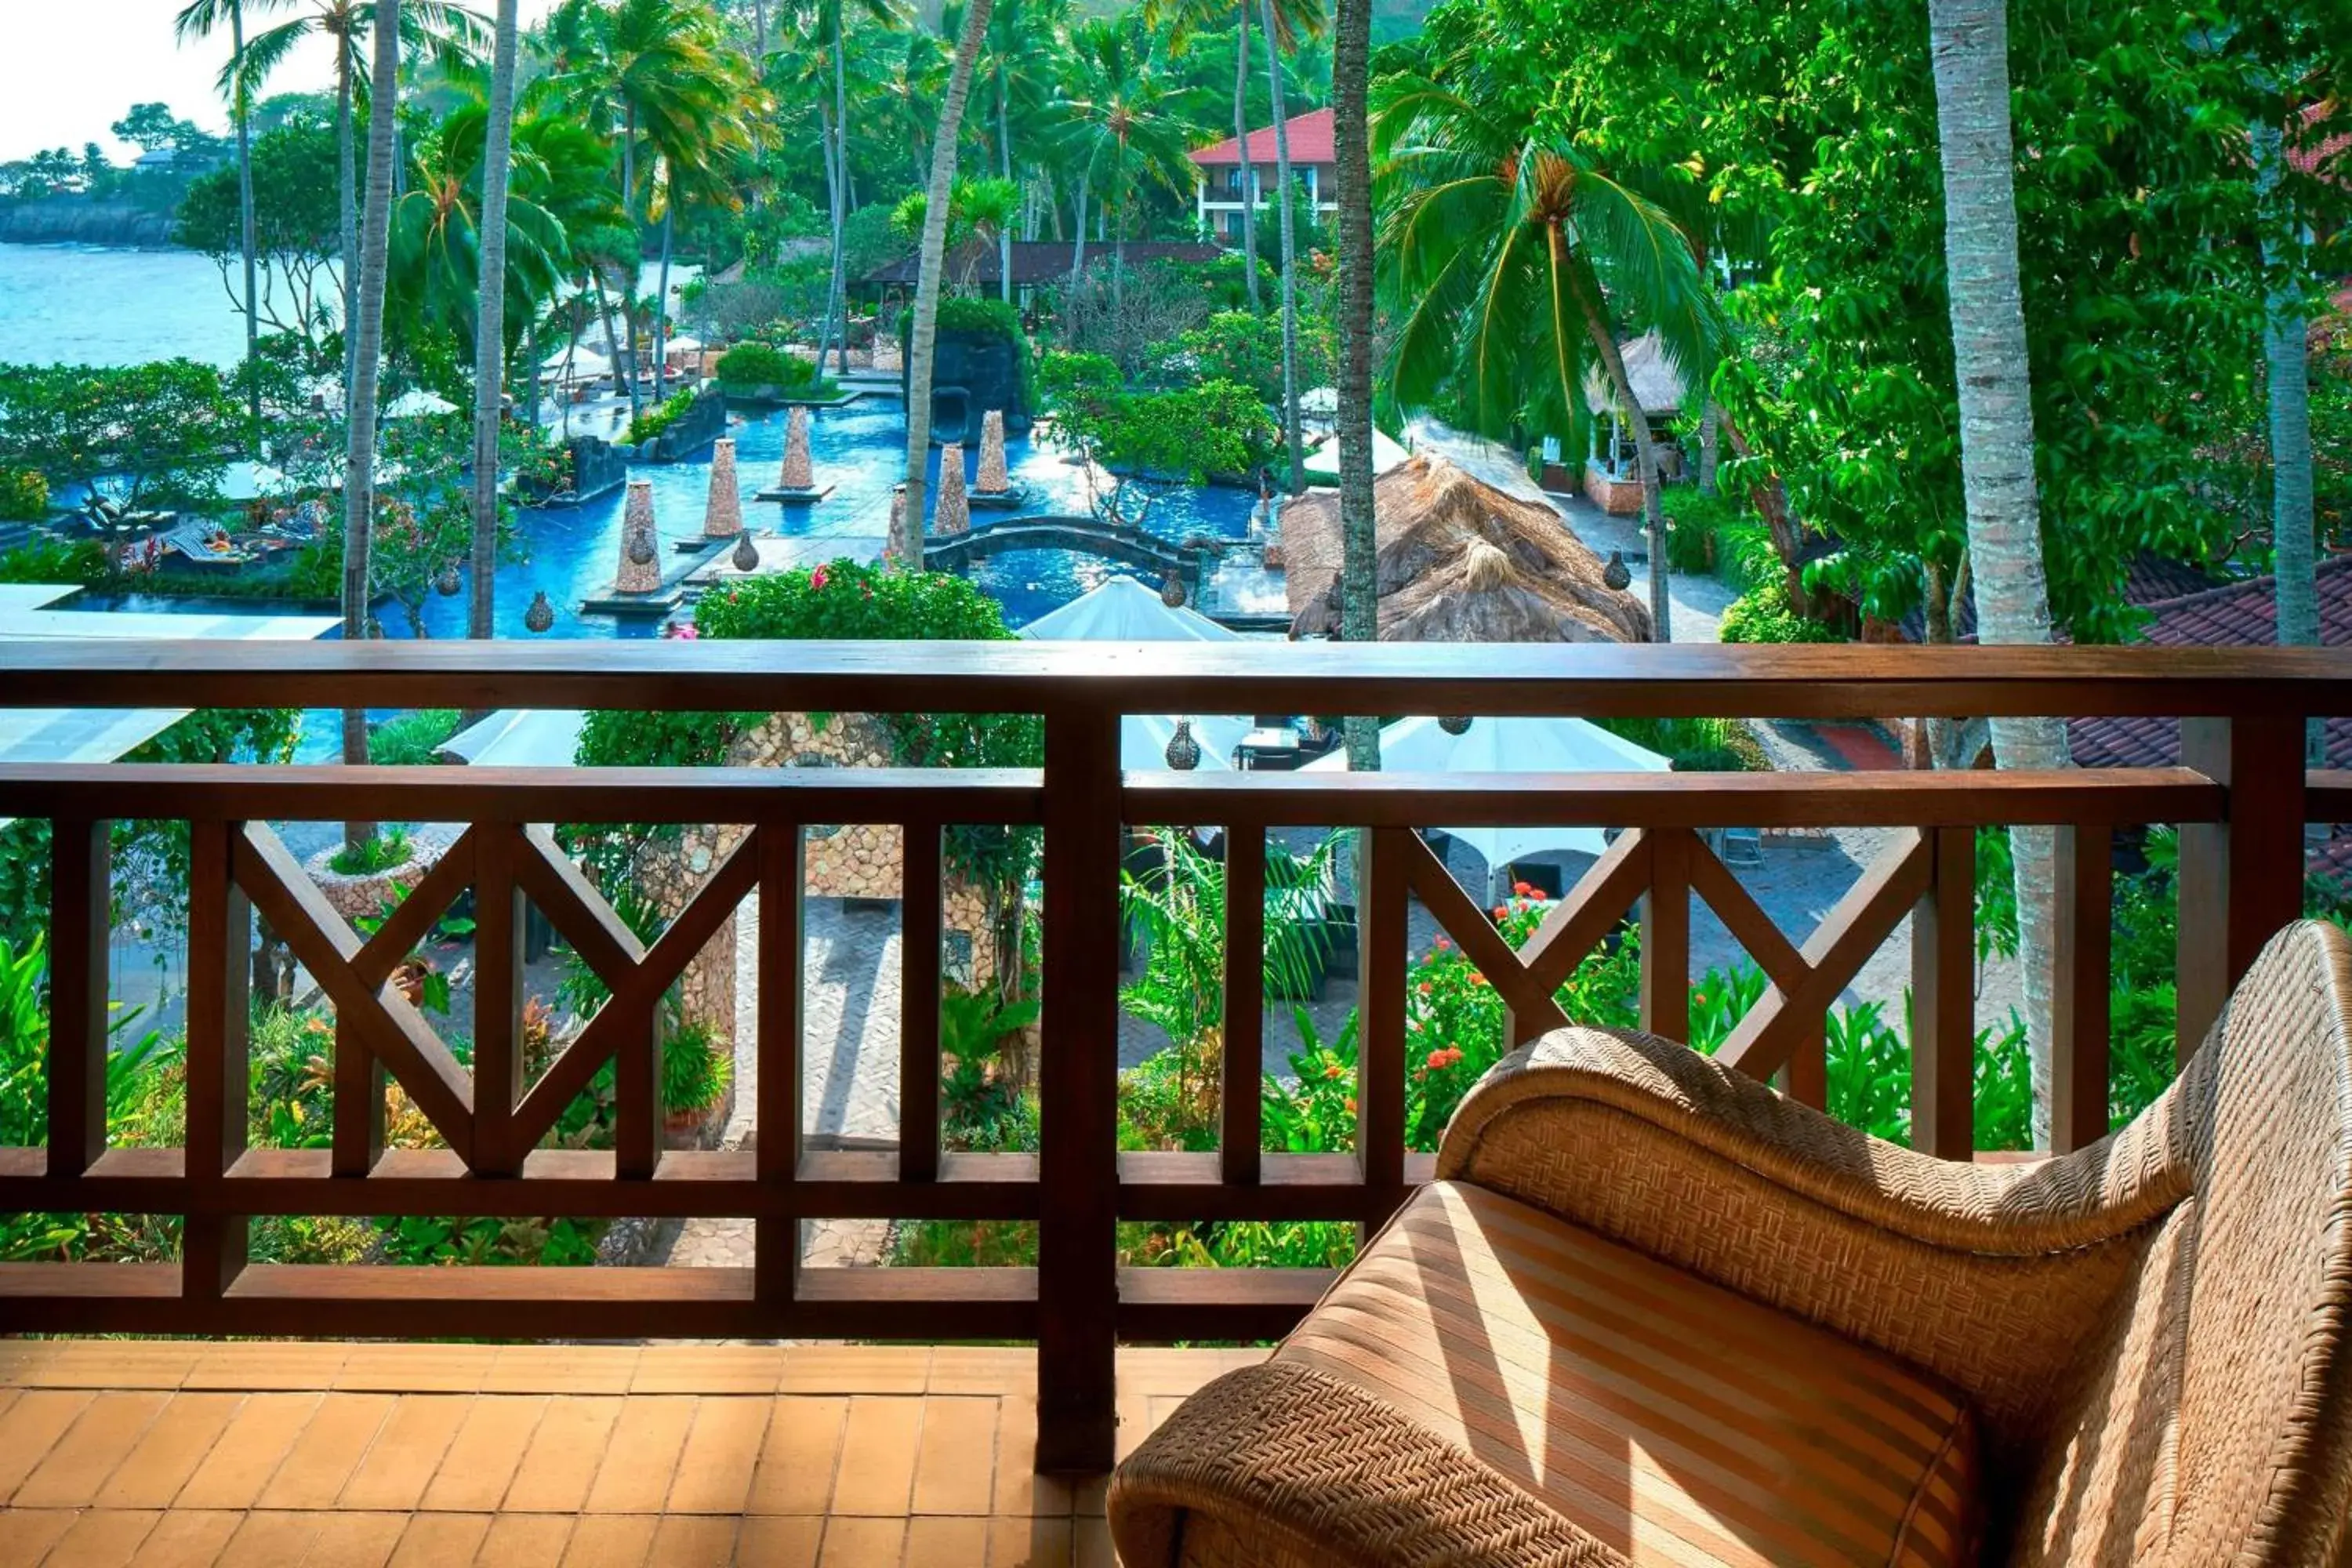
x=1652, y=1312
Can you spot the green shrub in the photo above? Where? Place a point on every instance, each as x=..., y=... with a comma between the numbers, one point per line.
x=650, y=424
x=747, y=366
x=1763, y=615
x=24, y=495
x=380, y=853
x=410, y=739
x=1695, y=745
x=57, y=561
x=695, y=1067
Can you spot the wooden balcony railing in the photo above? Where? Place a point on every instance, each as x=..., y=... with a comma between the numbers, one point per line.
x=2241, y=799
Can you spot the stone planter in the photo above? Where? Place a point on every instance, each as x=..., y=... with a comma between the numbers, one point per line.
x=364, y=896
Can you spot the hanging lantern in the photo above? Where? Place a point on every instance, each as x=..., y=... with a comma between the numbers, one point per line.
x=541, y=615
x=1456, y=724
x=641, y=547
x=1171, y=592
x=1615, y=573
x=1183, y=752
x=747, y=554
x=446, y=584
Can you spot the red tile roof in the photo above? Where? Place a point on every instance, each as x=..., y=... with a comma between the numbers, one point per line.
x=2307, y=158
x=2242, y=615
x=1310, y=142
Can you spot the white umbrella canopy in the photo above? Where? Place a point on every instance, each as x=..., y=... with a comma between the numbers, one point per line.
x=419, y=403
x=1143, y=742
x=1509, y=746
x=1120, y=609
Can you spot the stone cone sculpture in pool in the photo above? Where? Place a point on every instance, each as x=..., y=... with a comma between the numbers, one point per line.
x=637, y=576
x=798, y=473
x=952, y=513
x=992, y=478
x=722, y=516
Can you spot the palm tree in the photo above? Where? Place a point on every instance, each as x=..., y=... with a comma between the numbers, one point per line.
x=1969, y=44
x=1514, y=257
x=489, y=325
x=441, y=232
x=1290, y=249
x=1359, y=613
x=448, y=32
x=367, y=339
x=884, y=13
x=906, y=527
x=197, y=20
x=1022, y=36
x=1127, y=119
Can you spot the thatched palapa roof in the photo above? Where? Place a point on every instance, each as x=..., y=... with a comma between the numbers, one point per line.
x=1657, y=382
x=1459, y=560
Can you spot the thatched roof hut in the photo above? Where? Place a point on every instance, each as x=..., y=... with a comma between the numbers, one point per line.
x=1658, y=383
x=1459, y=560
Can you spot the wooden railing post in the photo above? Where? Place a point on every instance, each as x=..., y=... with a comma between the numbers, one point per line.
x=1943, y=999
x=1239, y=1132
x=1381, y=921
x=1665, y=937
x=498, y=1003
x=920, y=923
x=79, y=870
x=1077, y=1258
x=2079, y=1087
x=2241, y=877
x=220, y=1020
x=776, y=1235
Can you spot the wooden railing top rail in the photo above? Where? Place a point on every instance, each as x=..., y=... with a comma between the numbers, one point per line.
x=1673, y=680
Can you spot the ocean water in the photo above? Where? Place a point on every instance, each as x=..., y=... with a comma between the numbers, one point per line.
x=77, y=304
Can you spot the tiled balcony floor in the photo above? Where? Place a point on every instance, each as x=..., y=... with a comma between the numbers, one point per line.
x=283, y=1454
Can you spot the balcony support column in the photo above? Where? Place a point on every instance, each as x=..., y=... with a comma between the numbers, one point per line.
x=2241, y=877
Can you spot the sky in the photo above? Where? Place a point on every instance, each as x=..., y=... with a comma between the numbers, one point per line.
x=72, y=68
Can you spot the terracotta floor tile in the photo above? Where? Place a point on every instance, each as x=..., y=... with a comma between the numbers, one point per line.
x=946, y=1542
x=103, y=1538
x=708, y=1369
x=406, y=1452
x=803, y=1450
x=565, y=1449
x=983, y=1368
x=1028, y=1543
x=114, y=1363
x=1091, y=1545
x=486, y=1451
x=80, y=1461
x=863, y=1542
x=258, y=1438
x=722, y=1451
x=856, y=1369
x=273, y=1366
x=562, y=1369
x=28, y=1533
x=320, y=1462
x=955, y=1462
x=692, y=1541
x=1021, y=1492
x=152, y=1475
x=523, y=1540
x=779, y=1542
x=610, y=1540
x=440, y=1540
x=641, y=1456
x=273, y=1539
x=187, y=1538
x=31, y=1427
x=355, y=1540
x=877, y=1457
x=416, y=1369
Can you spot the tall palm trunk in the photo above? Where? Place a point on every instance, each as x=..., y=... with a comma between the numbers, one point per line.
x=1078, y=245
x=604, y=310
x=1710, y=445
x=834, y=206
x=1969, y=44
x=628, y=363
x=1004, y=167
x=661, y=298
x=347, y=200
x=1645, y=449
x=1289, y=251
x=907, y=537
x=841, y=192
x=245, y=237
x=358, y=466
x=1359, y=609
x=490, y=324
x=1241, y=139
x=2286, y=357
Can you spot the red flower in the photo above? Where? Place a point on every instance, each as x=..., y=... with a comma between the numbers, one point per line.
x=817, y=578
x=1439, y=1060
x=1443, y=945
x=1523, y=890
x=1501, y=912
x=1351, y=1105
x=1476, y=978
x=1422, y=988
x=1335, y=1070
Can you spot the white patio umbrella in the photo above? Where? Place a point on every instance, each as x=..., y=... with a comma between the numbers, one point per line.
x=1509, y=746
x=1120, y=609
x=417, y=403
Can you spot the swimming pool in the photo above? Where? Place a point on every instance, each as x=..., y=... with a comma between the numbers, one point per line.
x=572, y=552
